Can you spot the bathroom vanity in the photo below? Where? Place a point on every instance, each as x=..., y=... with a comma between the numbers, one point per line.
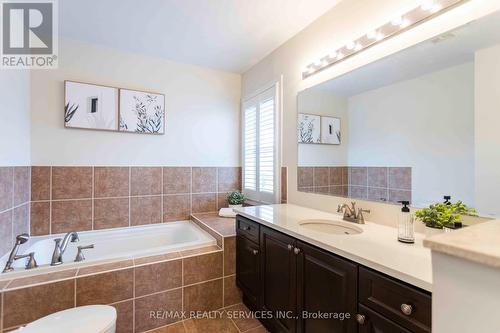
x=293, y=273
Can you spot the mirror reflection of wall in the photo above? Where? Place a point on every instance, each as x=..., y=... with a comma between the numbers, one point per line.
x=411, y=126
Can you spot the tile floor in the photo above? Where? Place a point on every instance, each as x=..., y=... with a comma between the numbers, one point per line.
x=234, y=319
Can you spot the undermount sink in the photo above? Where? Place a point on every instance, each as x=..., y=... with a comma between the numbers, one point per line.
x=331, y=227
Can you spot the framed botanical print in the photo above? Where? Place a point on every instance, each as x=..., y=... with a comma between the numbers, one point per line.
x=330, y=130
x=90, y=106
x=142, y=112
x=309, y=128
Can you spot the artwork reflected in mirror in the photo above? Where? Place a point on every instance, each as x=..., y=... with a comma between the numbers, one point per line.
x=413, y=125
x=142, y=112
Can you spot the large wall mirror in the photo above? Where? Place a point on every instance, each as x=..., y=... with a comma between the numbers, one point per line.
x=414, y=126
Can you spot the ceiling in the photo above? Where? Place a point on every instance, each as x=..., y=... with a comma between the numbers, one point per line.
x=450, y=49
x=231, y=35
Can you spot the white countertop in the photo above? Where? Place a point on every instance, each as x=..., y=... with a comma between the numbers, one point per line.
x=479, y=243
x=376, y=247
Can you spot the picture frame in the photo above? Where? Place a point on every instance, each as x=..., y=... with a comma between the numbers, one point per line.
x=90, y=106
x=141, y=112
x=309, y=128
x=331, y=133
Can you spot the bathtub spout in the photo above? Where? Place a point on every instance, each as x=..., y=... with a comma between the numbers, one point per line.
x=61, y=245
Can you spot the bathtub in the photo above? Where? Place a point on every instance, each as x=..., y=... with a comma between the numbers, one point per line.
x=113, y=244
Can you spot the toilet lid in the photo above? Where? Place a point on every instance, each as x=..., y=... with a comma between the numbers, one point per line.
x=83, y=319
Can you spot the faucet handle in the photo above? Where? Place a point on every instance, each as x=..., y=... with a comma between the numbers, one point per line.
x=360, y=217
x=79, y=255
x=31, y=262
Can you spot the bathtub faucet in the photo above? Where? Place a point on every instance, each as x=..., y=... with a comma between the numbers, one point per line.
x=61, y=245
x=20, y=239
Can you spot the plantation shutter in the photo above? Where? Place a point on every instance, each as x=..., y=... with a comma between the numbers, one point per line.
x=260, y=135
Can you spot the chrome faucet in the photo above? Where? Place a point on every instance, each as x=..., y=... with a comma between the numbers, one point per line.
x=351, y=214
x=31, y=263
x=61, y=245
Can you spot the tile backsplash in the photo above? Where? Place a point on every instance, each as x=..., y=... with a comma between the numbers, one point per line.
x=14, y=204
x=82, y=198
x=385, y=184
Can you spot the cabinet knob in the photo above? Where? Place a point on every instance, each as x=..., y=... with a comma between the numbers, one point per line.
x=360, y=319
x=255, y=252
x=290, y=247
x=296, y=250
x=245, y=227
x=406, y=309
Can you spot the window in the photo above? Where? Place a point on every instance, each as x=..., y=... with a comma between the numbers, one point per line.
x=260, y=147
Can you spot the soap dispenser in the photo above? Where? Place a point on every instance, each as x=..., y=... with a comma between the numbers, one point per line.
x=406, y=233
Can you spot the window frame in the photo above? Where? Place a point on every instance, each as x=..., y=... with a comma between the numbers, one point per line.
x=256, y=99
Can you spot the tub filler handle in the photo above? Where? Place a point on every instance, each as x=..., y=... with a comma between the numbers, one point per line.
x=79, y=255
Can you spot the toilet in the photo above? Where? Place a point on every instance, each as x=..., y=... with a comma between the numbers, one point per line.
x=83, y=319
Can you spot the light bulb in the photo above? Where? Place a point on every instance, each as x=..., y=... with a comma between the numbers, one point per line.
x=397, y=21
x=350, y=46
x=372, y=35
x=358, y=47
x=380, y=36
x=340, y=56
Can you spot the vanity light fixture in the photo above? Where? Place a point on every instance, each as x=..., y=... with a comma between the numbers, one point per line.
x=425, y=11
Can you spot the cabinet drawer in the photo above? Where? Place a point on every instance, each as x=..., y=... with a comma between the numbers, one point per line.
x=372, y=322
x=407, y=306
x=247, y=228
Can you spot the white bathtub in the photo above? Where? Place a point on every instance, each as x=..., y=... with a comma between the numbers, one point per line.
x=114, y=244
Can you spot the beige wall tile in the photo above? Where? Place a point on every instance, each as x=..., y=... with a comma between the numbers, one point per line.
x=21, y=220
x=124, y=316
x=176, y=180
x=145, y=210
x=37, y=302
x=201, y=268
x=111, y=213
x=105, y=288
x=305, y=177
x=74, y=215
x=229, y=179
x=40, y=218
x=232, y=295
x=229, y=256
x=146, y=181
x=71, y=182
x=205, y=296
x=21, y=185
x=6, y=187
x=40, y=183
x=204, y=203
x=176, y=207
x=111, y=182
x=166, y=301
x=5, y=232
x=204, y=180
x=158, y=277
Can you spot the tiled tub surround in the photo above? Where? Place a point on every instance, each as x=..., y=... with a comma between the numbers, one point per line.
x=14, y=204
x=79, y=198
x=201, y=279
x=386, y=184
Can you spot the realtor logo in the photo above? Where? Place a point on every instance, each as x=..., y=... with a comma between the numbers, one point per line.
x=29, y=34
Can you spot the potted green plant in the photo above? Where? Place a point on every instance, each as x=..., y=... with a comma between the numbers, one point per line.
x=441, y=214
x=235, y=199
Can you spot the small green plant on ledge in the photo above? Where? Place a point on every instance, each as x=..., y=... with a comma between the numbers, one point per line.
x=440, y=214
x=235, y=198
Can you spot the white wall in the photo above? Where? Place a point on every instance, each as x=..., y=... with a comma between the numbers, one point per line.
x=15, y=115
x=425, y=123
x=319, y=102
x=345, y=22
x=487, y=137
x=202, y=111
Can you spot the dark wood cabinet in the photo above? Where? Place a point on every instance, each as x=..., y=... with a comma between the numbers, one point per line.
x=294, y=282
x=278, y=279
x=327, y=286
x=371, y=322
x=248, y=269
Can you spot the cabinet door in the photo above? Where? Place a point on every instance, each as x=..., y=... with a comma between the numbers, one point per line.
x=278, y=276
x=248, y=269
x=372, y=322
x=327, y=286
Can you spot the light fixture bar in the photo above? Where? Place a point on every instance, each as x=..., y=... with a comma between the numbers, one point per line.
x=427, y=10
